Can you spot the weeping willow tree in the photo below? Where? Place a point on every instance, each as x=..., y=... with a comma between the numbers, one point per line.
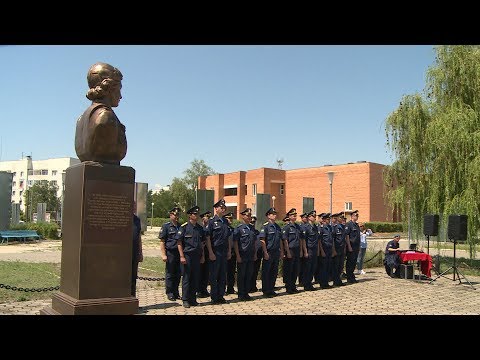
x=434, y=139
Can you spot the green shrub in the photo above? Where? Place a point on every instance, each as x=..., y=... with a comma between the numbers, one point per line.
x=377, y=226
x=44, y=229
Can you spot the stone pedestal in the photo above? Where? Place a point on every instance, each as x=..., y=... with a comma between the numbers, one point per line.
x=97, y=240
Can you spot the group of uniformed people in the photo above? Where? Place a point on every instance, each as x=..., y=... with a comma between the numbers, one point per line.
x=211, y=253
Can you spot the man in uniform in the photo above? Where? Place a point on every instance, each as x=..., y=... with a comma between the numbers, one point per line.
x=258, y=259
x=190, y=241
x=203, y=283
x=231, y=258
x=327, y=251
x=169, y=254
x=286, y=220
x=244, y=244
x=292, y=237
x=272, y=246
x=338, y=233
x=218, y=247
x=352, y=231
x=303, y=249
x=310, y=233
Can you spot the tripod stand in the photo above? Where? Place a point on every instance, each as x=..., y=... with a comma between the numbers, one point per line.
x=454, y=268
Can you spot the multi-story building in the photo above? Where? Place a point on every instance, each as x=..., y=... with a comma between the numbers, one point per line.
x=355, y=186
x=26, y=172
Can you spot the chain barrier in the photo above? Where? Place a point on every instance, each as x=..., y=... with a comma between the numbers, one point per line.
x=150, y=278
x=14, y=288
x=374, y=256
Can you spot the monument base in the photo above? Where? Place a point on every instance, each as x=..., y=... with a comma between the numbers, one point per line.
x=62, y=304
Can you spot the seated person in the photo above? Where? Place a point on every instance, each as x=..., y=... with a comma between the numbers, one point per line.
x=392, y=260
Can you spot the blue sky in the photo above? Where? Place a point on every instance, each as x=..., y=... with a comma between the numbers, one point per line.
x=236, y=107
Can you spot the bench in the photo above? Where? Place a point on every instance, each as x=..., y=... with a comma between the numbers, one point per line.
x=22, y=235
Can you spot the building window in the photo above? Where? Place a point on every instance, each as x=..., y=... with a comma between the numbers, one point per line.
x=231, y=192
x=14, y=174
x=21, y=184
x=21, y=192
x=14, y=184
x=348, y=206
x=21, y=174
x=54, y=172
x=246, y=189
x=44, y=172
x=30, y=182
x=282, y=189
x=254, y=209
x=53, y=182
x=13, y=193
x=254, y=189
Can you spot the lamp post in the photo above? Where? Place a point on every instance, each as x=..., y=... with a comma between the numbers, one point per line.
x=330, y=181
x=64, y=174
x=273, y=201
x=151, y=224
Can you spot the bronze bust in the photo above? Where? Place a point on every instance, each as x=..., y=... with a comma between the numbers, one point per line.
x=100, y=136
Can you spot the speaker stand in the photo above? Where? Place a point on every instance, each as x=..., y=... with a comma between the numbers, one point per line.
x=428, y=244
x=454, y=268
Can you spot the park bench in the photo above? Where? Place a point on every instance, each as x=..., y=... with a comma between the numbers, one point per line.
x=22, y=235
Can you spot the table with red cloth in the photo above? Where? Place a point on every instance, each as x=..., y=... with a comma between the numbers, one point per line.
x=425, y=260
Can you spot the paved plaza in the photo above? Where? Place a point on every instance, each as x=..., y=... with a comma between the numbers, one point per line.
x=374, y=294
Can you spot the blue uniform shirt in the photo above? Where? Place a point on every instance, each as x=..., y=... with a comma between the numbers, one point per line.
x=192, y=237
x=245, y=236
x=292, y=233
x=325, y=233
x=218, y=231
x=272, y=235
x=167, y=233
x=338, y=233
x=311, y=235
x=353, y=230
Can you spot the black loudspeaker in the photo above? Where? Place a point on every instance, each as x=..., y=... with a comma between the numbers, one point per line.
x=430, y=224
x=457, y=227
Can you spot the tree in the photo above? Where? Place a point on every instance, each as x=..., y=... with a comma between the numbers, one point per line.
x=41, y=192
x=197, y=168
x=435, y=141
x=182, y=195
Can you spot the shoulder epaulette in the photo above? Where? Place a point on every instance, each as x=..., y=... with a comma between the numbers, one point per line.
x=265, y=223
x=185, y=223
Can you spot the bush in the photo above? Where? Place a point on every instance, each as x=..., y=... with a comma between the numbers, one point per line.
x=44, y=229
x=384, y=227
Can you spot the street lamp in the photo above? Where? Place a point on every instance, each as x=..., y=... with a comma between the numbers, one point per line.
x=330, y=181
x=273, y=201
x=151, y=224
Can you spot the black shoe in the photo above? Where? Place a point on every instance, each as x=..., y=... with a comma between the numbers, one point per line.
x=193, y=303
x=203, y=294
x=171, y=297
x=352, y=281
x=339, y=284
x=272, y=294
x=230, y=291
x=222, y=301
x=327, y=286
x=186, y=304
x=309, y=288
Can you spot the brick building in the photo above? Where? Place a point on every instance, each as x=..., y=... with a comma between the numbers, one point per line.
x=355, y=186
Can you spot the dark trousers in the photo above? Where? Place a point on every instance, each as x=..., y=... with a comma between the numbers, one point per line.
x=351, y=263
x=317, y=271
x=337, y=266
x=270, y=271
x=244, y=275
x=190, y=277
x=256, y=269
x=172, y=273
x=218, y=273
x=325, y=266
x=231, y=269
x=203, y=282
x=301, y=271
x=291, y=268
x=134, y=277
x=310, y=267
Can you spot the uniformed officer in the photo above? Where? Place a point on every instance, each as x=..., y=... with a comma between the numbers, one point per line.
x=231, y=257
x=203, y=283
x=259, y=255
x=283, y=256
x=303, y=248
x=190, y=241
x=310, y=233
x=326, y=251
x=218, y=246
x=169, y=254
x=338, y=234
x=244, y=244
x=318, y=267
x=291, y=236
x=272, y=246
x=352, y=231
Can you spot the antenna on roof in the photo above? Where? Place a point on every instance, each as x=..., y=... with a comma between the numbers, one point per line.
x=280, y=162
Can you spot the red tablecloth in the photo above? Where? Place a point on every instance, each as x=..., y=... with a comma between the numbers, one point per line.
x=425, y=260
